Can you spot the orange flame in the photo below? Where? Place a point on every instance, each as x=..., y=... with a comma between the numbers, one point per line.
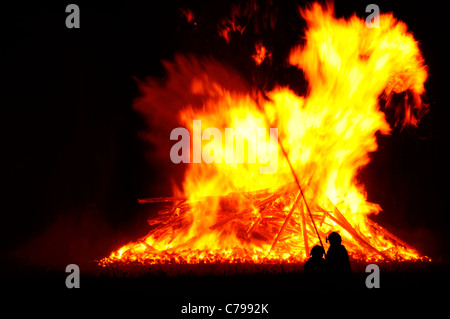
x=232, y=212
x=188, y=14
x=261, y=54
x=238, y=21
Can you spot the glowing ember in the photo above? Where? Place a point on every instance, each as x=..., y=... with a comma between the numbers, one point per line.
x=261, y=54
x=188, y=14
x=229, y=212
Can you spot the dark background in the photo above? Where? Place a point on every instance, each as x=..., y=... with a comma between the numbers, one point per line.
x=73, y=163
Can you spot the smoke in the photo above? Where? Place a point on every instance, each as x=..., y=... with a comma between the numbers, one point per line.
x=70, y=239
x=161, y=101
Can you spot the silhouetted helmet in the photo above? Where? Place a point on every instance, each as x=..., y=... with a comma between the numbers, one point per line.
x=334, y=238
x=317, y=251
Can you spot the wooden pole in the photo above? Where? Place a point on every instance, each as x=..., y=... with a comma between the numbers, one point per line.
x=160, y=199
x=283, y=150
x=288, y=217
x=301, y=191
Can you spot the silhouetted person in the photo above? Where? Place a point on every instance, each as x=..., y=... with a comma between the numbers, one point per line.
x=316, y=264
x=316, y=268
x=338, y=260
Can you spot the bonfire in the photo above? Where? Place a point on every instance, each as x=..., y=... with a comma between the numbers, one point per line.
x=227, y=211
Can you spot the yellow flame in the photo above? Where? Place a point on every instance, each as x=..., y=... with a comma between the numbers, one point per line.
x=328, y=135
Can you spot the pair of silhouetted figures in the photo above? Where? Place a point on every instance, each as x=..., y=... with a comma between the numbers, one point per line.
x=335, y=269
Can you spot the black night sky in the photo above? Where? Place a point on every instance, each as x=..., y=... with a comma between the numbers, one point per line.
x=73, y=163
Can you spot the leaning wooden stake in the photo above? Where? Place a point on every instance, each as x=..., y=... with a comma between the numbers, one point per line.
x=305, y=234
x=160, y=199
x=283, y=150
x=288, y=217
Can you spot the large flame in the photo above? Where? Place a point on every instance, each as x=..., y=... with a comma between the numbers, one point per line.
x=233, y=212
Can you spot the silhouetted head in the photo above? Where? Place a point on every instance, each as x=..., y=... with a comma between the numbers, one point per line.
x=334, y=239
x=317, y=251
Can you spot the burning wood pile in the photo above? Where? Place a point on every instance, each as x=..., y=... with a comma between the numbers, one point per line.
x=265, y=219
x=232, y=211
